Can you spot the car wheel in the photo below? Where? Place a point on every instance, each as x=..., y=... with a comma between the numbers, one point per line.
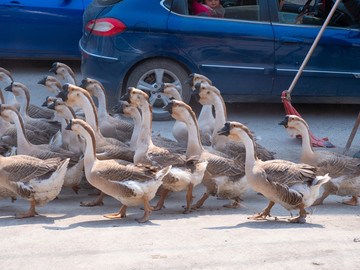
x=149, y=76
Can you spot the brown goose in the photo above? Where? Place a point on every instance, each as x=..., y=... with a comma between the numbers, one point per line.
x=210, y=95
x=35, y=180
x=294, y=186
x=44, y=151
x=343, y=170
x=52, y=84
x=224, y=177
x=109, y=126
x=184, y=175
x=131, y=185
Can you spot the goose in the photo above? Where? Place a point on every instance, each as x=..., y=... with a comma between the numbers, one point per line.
x=179, y=130
x=292, y=185
x=44, y=151
x=109, y=126
x=7, y=79
x=210, y=95
x=35, y=180
x=23, y=95
x=186, y=172
x=64, y=72
x=131, y=185
x=224, y=177
x=343, y=170
x=109, y=148
x=70, y=140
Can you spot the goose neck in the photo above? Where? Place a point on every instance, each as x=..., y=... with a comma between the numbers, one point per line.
x=194, y=146
x=90, y=112
x=307, y=150
x=102, y=108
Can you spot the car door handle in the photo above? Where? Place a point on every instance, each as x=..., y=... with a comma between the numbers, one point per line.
x=290, y=40
x=13, y=4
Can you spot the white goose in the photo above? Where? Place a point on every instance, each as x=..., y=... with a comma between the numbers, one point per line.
x=343, y=170
x=131, y=185
x=224, y=177
x=294, y=186
x=109, y=126
x=64, y=72
x=35, y=180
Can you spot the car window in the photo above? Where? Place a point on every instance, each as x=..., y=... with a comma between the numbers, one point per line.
x=314, y=12
x=234, y=9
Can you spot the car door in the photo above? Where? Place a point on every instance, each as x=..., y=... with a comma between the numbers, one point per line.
x=40, y=27
x=333, y=71
x=236, y=52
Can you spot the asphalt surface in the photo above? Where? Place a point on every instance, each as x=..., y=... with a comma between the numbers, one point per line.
x=67, y=236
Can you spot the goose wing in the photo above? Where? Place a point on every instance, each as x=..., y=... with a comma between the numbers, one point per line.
x=218, y=165
x=24, y=168
x=337, y=165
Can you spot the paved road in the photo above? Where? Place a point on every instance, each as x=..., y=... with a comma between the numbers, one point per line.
x=66, y=235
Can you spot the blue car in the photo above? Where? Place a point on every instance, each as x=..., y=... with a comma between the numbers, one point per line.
x=35, y=29
x=251, y=54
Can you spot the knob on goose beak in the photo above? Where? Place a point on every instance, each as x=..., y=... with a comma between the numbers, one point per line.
x=169, y=107
x=118, y=108
x=83, y=83
x=43, y=80
x=285, y=122
x=68, y=127
x=63, y=94
x=53, y=68
x=225, y=130
x=9, y=87
x=190, y=80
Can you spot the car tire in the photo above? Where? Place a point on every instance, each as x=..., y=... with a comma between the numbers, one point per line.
x=148, y=76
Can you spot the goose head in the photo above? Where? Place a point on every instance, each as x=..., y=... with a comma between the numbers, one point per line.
x=80, y=127
x=48, y=100
x=235, y=131
x=180, y=111
x=5, y=76
x=170, y=91
x=19, y=90
x=135, y=96
x=206, y=94
x=195, y=78
x=8, y=112
x=126, y=109
x=51, y=83
x=92, y=86
x=62, y=109
x=62, y=71
x=293, y=124
x=70, y=94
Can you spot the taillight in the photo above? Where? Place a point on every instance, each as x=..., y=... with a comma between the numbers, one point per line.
x=105, y=27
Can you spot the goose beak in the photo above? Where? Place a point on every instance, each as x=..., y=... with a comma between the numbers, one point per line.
x=43, y=80
x=63, y=94
x=225, y=130
x=54, y=68
x=169, y=107
x=118, y=108
x=83, y=83
x=45, y=103
x=285, y=122
x=126, y=97
x=196, y=89
x=52, y=106
x=68, y=127
x=9, y=88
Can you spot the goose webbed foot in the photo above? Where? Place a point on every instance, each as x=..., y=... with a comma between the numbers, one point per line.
x=30, y=213
x=302, y=215
x=98, y=201
x=264, y=213
x=120, y=214
x=235, y=204
x=353, y=201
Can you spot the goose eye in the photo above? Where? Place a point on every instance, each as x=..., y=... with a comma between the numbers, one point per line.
x=208, y=92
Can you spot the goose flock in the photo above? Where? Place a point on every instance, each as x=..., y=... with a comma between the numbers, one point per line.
x=69, y=139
